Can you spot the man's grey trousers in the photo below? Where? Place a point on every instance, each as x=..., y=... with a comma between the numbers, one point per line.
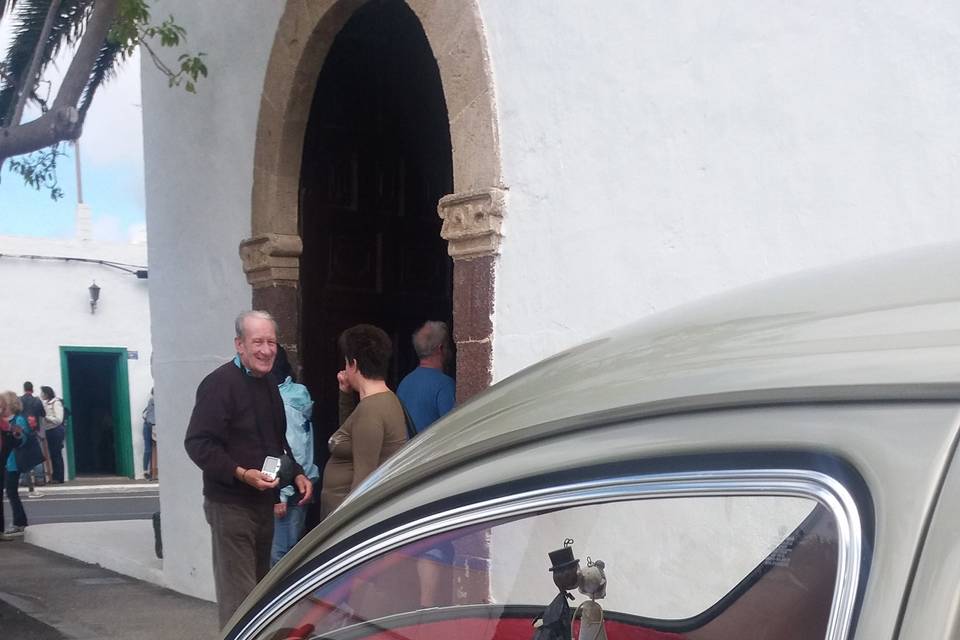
x=241, y=536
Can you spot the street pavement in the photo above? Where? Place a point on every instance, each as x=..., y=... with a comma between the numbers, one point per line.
x=47, y=596
x=90, y=507
x=89, y=503
x=17, y=624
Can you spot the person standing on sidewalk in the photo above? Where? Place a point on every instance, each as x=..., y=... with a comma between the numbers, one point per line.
x=372, y=424
x=55, y=430
x=427, y=392
x=290, y=517
x=149, y=420
x=24, y=439
x=33, y=411
x=7, y=443
x=237, y=421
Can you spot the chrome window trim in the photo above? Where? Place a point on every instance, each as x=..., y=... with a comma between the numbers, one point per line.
x=800, y=483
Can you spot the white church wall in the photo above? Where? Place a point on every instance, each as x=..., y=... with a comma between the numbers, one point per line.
x=51, y=309
x=659, y=152
x=199, y=168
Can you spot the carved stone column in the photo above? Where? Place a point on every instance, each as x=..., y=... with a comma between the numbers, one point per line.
x=272, y=264
x=472, y=227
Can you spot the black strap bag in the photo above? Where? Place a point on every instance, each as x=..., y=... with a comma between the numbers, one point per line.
x=411, y=427
x=29, y=454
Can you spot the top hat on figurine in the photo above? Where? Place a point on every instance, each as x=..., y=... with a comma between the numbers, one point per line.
x=562, y=559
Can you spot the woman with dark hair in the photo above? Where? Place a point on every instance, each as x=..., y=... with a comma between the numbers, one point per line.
x=373, y=429
x=55, y=429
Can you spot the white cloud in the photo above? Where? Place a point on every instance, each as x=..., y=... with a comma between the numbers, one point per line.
x=137, y=233
x=113, y=131
x=108, y=228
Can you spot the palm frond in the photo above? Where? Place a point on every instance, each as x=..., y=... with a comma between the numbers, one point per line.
x=28, y=20
x=68, y=29
x=6, y=6
x=111, y=55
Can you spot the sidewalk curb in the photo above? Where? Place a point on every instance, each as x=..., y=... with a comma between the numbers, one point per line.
x=51, y=490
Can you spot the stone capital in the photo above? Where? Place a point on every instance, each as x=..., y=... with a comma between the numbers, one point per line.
x=272, y=259
x=473, y=222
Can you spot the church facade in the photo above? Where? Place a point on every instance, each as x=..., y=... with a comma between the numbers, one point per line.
x=533, y=172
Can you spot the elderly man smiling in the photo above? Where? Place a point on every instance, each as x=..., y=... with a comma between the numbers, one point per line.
x=238, y=421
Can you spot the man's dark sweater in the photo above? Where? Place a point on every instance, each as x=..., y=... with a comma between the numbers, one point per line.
x=32, y=408
x=237, y=421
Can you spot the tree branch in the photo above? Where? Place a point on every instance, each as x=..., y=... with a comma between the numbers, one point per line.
x=29, y=81
x=64, y=121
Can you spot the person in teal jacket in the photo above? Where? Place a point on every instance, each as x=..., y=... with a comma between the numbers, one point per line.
x=21, y=431
x=290, y=517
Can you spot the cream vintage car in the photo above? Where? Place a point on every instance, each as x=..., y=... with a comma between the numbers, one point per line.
x=775, y=463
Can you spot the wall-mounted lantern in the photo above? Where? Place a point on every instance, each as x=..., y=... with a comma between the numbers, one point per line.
x=94, y=296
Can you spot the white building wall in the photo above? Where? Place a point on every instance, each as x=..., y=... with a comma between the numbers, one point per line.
x=656, y=152
x=199, y=168
x=51, y=309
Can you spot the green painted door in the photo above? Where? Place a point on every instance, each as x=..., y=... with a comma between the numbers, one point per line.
x=111, y=379
x=123, y=436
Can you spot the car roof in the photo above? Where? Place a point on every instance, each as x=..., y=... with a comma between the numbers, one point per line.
x=876, y=330
x=885, y=328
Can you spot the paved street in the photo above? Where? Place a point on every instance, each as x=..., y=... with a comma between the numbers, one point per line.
x=21, y=626
x=47, y=596
x=82, y=504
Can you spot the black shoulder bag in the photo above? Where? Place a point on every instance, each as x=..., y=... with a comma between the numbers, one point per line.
x=411, y=427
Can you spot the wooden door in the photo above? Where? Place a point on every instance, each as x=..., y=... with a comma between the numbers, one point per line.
x=376, y=162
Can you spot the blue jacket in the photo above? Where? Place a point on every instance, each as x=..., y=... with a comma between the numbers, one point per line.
x=299, y=408
x=18, y=420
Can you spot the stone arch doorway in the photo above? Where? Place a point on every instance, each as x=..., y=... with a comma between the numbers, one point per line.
x=273, y=258
x=376, y=160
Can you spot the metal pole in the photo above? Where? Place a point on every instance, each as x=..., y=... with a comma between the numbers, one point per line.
x=76, y=153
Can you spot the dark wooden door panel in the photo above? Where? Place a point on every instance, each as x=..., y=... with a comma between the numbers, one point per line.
x=376, y=161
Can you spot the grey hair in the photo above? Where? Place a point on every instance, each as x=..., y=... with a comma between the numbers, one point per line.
x=431, y=335
x=242, y=318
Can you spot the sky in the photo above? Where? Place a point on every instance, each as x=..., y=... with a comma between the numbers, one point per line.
x=111, y=153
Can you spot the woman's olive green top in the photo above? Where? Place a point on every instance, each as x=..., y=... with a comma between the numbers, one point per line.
x=369, y=433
